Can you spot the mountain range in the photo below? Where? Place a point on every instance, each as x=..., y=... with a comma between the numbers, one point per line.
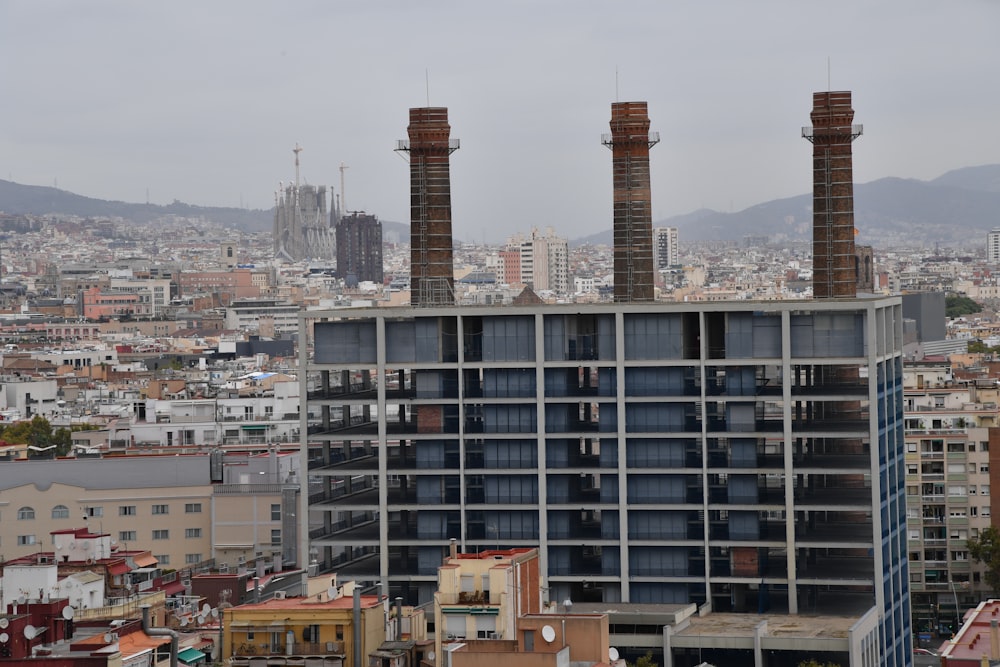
x=955, y=209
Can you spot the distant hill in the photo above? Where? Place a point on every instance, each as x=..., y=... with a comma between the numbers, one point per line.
x=957, y=208
x=16, y=198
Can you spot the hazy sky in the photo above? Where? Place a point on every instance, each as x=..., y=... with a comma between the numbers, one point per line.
x=202, y=101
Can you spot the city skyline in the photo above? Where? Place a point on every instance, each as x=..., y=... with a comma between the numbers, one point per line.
x=115, y=100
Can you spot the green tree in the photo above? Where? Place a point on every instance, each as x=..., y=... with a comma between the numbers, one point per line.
x=644, y=661
x=986, y=550
x=955, y=305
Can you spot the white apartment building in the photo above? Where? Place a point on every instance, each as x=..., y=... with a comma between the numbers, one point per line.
x=665, y=251
x=544, y=261
x=993, y=246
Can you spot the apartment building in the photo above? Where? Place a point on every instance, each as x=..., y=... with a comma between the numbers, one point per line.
x=947, y=437
x=748, y=455
x=169, y=505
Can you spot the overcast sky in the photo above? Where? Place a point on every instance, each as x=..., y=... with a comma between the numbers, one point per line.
x=202, y=101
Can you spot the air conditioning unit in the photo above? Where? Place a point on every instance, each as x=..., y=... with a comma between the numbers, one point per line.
x=494, y=635
x=280, y=595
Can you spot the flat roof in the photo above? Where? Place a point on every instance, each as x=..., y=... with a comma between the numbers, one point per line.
x=778, y=625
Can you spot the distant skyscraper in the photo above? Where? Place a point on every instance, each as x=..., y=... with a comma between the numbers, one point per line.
x=993, y=247
x=834, y=264
x=630, y=141
x=432, y=276
x=302, y=227
x=665, y=252
x=359, y=248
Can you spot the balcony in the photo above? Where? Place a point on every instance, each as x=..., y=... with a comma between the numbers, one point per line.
x=250, y=654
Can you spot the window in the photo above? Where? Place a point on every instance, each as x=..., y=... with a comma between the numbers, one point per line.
x=25, y=540
x=192, y=508
x=984, y=510
x=275, y=512
x=911, y=468
x=956, y=491
x=984, y=446
x=126, y=510
x=984, y=468
x=972, y=489
x=162, y=559
x=972, y=468
x=60, y=512
x=973, y=511
x=985, y=489
x=192, y=559
x=26, y=514
x=94, y=512
x=276, y=537
x=911, y=490
x=127, y=536
x=192, y=532
x=911, y=447
x=161, y=509
x=161, y=534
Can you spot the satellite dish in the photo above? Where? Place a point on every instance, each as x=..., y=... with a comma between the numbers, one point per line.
x=4, y=637
x=22, y=599
x=30, y=632
x=215, y=613
x=68, y=613
x=201, y=619
x=107, y=637
x=205, y=609
x=613, y=653
x=4, y=622
x=128, y=586
x=548, y=633
x=331, y=592
x=430, y=655
x=72, y=545
x=184, y=621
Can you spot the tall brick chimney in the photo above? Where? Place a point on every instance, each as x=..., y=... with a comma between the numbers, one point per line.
x=630, y=141
x=831, y=134
x=431, y=261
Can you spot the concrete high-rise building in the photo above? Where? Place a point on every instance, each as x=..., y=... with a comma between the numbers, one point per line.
x=670, y=454
x=834, y=263
x=993, y=246
x=665, y=251
x=359, y=248
x=302, y=228
x=630, y=141
x=541, y=261
x=432, y=278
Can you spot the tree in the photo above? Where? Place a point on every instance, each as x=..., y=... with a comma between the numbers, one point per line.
x=986, y=550
x=955, y=305
x=645, y=661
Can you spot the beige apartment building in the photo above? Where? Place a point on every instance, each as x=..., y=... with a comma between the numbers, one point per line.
x=166, y=504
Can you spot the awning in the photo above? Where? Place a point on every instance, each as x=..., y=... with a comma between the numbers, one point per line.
x=253, y=427
x=174, y=587
x=191, y=656
x=146, y=560
x=120, y=567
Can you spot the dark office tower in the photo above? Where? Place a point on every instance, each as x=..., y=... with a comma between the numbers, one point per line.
x=430, y=148
x=630, y=141
x=359, y=248
x=831, y=135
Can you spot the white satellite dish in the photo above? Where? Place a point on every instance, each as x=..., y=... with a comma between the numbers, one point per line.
x=331, y=592
x=613, y=653
x=205, y=609
x=108, y=637
x=4, y=622
x=184, y=621
x=548, y=633
x=430, y=655
x=4, y=637
x=30, y=632
x=215, y=613
x=68, y=613
x=201, y=620
x=21, y=599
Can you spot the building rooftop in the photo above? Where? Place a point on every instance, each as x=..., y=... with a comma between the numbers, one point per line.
x=312, y=603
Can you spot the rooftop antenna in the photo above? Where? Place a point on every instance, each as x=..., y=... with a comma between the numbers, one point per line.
x=297, y=150
x=343, y=197
x=828, y=84
x=427, y=85
x=617, y=98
